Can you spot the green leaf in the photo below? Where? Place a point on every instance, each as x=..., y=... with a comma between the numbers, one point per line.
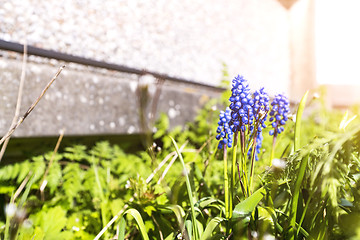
x=27, y=191
x=25, y=166
x=149, y=209
x=180, y=214
x=72, y=181
x=295, y=196
x=211, y=202
x=162, y=126
x=54, y=177
x=149, y=225
x=169, y=237
x=136, y=215
x=122, y=226
x=190, y=193
x=38, y=234
x=246, y=207
x=299, y=114
x=102, y=150
x=116, y=205
x=52, y=223
x=76, y=153
x=211, y=227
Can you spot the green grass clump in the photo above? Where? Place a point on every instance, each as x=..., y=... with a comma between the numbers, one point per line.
x=310, y=192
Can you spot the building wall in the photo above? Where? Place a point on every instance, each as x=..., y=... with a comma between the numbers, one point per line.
x=86, y=101
x=302, y=48
x=187, y=39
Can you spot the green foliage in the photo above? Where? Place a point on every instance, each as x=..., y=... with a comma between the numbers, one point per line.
x=135, y=196
x=327, y=165
x=246, y=207
x=86, y=185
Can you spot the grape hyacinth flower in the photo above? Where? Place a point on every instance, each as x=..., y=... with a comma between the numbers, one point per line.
x=241, y=104
x=244, y=121
x=261, y=108
x=279, y=113
x=224, y=130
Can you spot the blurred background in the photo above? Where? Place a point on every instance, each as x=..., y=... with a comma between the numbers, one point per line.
x=168, y=56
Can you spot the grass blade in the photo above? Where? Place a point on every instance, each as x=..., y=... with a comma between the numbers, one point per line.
x=295, y=196
x=193, y=216
x=211, y=227
x=122, y=226
x=179, y=213
x=299, y=114
x=303, y=164
x=247, y=206
x=136, y=215
x=26, y=192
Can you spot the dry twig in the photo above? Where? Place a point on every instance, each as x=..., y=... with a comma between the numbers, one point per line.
x=18, y=103
x=44, y=181
x=16, y=125
x=132, y=198
x=171, y=163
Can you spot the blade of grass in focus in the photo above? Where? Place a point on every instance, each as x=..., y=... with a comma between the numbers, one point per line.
x=191, y=199
x=302, y=168
x=136, y=215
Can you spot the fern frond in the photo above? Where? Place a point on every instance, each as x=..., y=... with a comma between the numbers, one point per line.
x=72, y=181
x=76, y=153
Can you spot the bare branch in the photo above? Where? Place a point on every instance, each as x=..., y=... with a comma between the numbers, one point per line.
x=44, y=181
x=14, y=126
x=132, y=198
x=18, y=102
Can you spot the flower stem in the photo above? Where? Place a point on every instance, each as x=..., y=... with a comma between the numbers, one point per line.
x=241, y=183
x=273, y=147
x=243, y=162
x=252, y=162
x=226, y=184
x=245, y=173
x=232, y=188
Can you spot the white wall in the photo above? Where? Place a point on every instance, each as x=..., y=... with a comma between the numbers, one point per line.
x=188, y=38
x=337, y=42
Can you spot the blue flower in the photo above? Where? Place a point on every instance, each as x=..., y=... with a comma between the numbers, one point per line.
x=279, y=113
x=241, y=103
x=260, y=108
x=259, y=139
x=225, y=135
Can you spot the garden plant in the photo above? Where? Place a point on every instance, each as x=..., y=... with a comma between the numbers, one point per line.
x=258, y=169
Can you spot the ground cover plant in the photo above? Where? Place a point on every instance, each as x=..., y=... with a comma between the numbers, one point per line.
x=256, y=170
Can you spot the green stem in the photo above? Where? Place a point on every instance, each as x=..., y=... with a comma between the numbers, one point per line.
x=232, y=188
x=243, y=163
x=245, y=173
x=226, y=184
x=241, y=183
x=273, y=147
x=252, y=161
